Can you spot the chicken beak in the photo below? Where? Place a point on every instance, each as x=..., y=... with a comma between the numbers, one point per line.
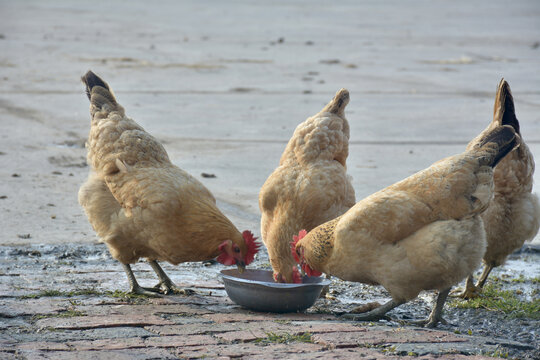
x=241, y=266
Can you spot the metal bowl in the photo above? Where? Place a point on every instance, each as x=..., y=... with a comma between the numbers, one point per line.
x=256, y=290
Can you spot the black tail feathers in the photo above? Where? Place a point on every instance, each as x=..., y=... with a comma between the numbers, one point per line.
x=505, y=140
x=90, y=80
x=504, y=106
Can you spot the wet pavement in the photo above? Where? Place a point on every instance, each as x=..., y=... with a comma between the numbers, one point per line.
x=223, y=85
x=69, y=302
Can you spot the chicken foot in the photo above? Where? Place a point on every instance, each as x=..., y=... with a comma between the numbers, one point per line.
x=471, y=291
x=375, y=314
x=484, y=276
x=436, y=314
x=134, y=286
x=165, y=284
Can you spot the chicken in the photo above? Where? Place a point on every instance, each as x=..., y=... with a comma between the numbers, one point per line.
x=513, y=216
x=422, y=233
x=143, y=206
x=310, y=185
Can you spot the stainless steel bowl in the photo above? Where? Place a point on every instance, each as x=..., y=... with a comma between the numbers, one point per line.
x=256, y=290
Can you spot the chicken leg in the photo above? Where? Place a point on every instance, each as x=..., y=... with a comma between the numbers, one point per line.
x=375, y=314
x=436, y=314
x=165, y=283
x=484, y=276
x=471, y=291
x=134, y=287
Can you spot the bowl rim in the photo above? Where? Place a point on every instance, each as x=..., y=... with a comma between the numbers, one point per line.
x=323, y=282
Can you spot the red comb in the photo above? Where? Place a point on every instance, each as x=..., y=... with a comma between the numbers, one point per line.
x=252, y=246
x=296, y=276
x=309, y=271
x=301, y=234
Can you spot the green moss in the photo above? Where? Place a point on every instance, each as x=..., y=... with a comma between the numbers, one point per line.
x=284, y=338
x=497, y=354
x=493, y=298
x=63, y=314
x=53, y=293
x=84, y=292
x=124, y=295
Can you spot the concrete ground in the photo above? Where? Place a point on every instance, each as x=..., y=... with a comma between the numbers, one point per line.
x=223, y=85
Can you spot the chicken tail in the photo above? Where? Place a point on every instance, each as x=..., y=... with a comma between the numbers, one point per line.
x=338, y=103
x=494, y=146
x=99, y=93
x=504, y=112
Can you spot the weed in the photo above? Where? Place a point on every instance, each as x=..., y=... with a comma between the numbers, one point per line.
x=53, y=293
x=284, y=338
x=63, y=314
x=497, y=354
x=125, y=295
x=506, y=301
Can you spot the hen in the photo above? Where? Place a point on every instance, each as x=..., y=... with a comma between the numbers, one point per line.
x=309, y=187
x=513, y=216
x=143, y=206
x=422, y=233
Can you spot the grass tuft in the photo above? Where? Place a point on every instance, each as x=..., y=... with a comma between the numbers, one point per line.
x=53, y=293
x=493, y=298
x=284, y=338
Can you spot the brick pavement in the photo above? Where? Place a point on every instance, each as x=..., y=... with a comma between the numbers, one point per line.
x=206, y=326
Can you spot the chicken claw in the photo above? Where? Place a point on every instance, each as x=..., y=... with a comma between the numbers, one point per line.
x=471, y=291
x=134, y=286
x=365, y=308
x=378, y=313
x=436, y=314
x=165, y=285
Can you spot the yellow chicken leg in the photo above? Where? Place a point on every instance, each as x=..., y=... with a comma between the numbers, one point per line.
x=484, y=276
x=471, y=291
x=165, y=284
x=134, y=286
x=436, y=314
x=375, y=314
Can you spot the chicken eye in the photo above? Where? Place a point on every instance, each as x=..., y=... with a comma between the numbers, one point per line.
x=236, y=249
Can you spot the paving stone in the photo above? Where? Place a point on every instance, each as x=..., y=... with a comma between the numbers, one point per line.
x=248, y=350
x=90, y=322
x=4, y=355
x=233, y=317
x=74, y=335
x=242, y=335
x=390, y=336
x=14, y=307
x=316, y=327
x=342, y=354
x=215, y=329
x=124, y=309
x=6, y=323
x=108, y=344
x=43, y=345
x=130, y=354
x=180, y=341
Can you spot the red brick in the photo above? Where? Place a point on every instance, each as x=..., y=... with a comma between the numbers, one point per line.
x=43, y=345
x=108, y=344
x=180, y=341
x=92, y=322
x=390, y=336
x=328, y=326
x=13, y=308
x=233, y=317
x=242, y=335
x=249, y=350
x=143, y=309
